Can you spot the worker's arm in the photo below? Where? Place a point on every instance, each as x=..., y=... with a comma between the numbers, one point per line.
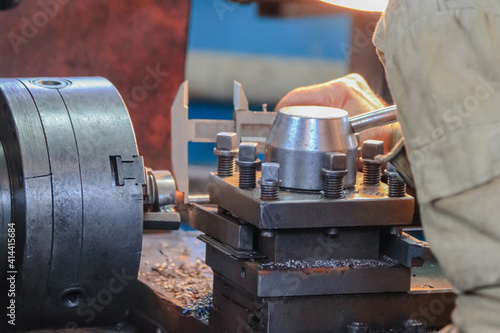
x=443, y=69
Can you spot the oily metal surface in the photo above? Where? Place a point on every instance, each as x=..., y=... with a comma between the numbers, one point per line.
x=363, y=206
x=67, y=143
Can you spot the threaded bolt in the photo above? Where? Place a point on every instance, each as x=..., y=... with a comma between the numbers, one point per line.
x=248, y=163
x=269, y=181
x=334, y=170
x=397, y=186
x=372, y=169
x=226, y=149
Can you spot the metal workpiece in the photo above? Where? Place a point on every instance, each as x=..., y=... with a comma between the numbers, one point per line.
x=372, y=169
x=334, y=170
x=226, y=149
x=269, y=181
x=160, y=189
x=375, y=118
x=311, y=210
x=159, y=200
x=201, y=199
x=248, y=164
x=300, y=137
x=77, y=186
x=397, y=185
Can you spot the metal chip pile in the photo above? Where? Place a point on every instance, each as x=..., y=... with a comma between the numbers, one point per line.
x=187, y=283
x=200, y=308
x=348, y=263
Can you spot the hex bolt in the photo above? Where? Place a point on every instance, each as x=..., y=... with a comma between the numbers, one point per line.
x=413, y=326
x=371, y=168
x=397, y=185
x=357, y=327
x=248, y=162
x=269, y=181
x=334, y=170
x=226, y=149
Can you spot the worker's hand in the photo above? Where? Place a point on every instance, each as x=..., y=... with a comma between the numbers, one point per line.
x=350, y=93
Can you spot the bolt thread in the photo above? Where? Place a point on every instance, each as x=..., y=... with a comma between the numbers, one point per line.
x=371, y=173
x=269, y=192
x=225, y=166
x=397, y=188
x=334, y=187
x=247, y=178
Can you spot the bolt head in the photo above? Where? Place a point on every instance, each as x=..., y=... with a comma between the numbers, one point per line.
x=335, y=161
x=226, y=141
x=248, y=152
x=270, y=172
x=372, y=148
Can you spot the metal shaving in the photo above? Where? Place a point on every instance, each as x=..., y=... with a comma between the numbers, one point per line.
x=199, y=308
x=347, y=263
x=188, y=283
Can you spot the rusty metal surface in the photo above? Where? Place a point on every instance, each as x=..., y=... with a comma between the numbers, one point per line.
x=368, y=206
x=139, y=45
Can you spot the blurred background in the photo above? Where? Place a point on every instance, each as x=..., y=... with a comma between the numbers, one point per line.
x=147, y=48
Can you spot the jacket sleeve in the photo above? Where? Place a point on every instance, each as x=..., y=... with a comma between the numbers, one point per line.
x=443, y=65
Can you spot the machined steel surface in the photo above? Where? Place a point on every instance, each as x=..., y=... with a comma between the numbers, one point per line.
x=301, y=135
x=160, y=189
x=360, y=207
x=76, y=182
